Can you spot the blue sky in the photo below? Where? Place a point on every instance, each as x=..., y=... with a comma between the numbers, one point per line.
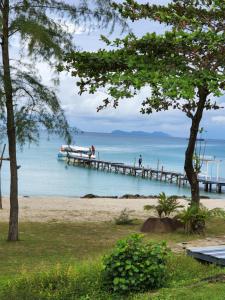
x=81, y=110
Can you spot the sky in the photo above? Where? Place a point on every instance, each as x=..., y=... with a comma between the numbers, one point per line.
x=81, y=110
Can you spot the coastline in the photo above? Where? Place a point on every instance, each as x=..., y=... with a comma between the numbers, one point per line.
x=75, y=209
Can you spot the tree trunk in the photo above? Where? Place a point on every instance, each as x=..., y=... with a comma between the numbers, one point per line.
x=0, y=191
x=1, y=161
x=11, y=132
x=191, y=173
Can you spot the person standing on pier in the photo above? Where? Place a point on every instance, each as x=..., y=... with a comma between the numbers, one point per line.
x=93, y=150
x=140, y=161
x=89, y=153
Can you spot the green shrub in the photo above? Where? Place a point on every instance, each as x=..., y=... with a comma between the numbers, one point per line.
x=124, y=218
x=135, y=266
x=166, y=205
x=194, y=217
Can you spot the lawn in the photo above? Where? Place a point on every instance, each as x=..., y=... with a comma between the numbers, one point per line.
x=51, y=246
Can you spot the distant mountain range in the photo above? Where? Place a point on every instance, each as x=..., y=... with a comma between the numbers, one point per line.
x=141, y=133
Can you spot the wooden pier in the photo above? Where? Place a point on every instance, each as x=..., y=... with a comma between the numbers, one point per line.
x=177, y=178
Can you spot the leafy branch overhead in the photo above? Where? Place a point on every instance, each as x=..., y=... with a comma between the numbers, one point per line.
x=177, y=66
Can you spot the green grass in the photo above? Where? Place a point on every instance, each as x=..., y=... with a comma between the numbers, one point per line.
x=42, y=245
x=78, y=247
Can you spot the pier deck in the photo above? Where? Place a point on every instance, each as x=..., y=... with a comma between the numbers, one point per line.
x=150, y=173
x=211, y=254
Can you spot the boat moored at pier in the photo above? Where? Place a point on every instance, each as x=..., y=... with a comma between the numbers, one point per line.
x=75, y=151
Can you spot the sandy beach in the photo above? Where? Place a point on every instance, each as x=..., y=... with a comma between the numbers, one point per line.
x=69, y=209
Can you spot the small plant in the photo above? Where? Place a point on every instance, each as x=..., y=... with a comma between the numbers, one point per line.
x=135, y=266
x=217, y=212
x=166, y=205
x=124, y=217
x=194, y=218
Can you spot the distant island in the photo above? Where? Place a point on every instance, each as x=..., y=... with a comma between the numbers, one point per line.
x=141, y=133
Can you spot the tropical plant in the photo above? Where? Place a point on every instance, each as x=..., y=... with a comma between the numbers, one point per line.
x=135, y=265
x=39, y=31
x=194, y=217
x=184, y=68
x=166, y=205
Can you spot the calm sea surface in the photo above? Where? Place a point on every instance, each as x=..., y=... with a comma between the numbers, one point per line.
x=42, y=174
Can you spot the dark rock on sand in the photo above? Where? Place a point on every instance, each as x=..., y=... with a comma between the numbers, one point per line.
x=164, y=225
x=96, y=196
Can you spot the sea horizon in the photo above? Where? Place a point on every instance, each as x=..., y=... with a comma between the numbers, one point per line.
x=129, y=132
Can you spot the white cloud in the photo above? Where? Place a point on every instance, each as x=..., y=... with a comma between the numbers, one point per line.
x=219, y=119
x=81, y=110
x=71, y=27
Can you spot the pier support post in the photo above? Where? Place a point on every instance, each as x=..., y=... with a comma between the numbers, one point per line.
x=161, y=175
x=219, y=188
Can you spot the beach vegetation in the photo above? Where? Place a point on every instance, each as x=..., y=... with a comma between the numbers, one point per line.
x=79, y=281
x=55, y=257
x=135, y=265
x=183, y=68
x=188, y=279
x=166, y=205
x=37, y=32
x=124, y=218
x=83, y=281
x=194, y=218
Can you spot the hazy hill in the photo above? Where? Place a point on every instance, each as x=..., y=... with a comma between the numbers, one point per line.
x=141, y=133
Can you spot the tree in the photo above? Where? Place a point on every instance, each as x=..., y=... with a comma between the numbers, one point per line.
x=183, y=68
x=28, y=105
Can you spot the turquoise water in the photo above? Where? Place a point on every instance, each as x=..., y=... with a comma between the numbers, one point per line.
x=42, y=174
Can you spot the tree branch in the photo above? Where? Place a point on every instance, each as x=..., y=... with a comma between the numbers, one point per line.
x=1, y=5
x=27, y=92
x=13, y=32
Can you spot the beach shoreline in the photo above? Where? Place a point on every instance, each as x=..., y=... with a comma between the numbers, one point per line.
x=75, y=209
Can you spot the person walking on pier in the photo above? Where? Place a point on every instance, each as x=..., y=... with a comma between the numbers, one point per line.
x=140, y=161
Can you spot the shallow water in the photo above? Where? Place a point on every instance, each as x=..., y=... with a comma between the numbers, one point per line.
x=42, y=174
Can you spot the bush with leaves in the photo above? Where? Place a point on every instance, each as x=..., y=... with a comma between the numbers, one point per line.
x=135, y=266
x=124, y=218
x=194, y=217
x=166, y=205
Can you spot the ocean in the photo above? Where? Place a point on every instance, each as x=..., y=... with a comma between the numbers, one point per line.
x=42, y=174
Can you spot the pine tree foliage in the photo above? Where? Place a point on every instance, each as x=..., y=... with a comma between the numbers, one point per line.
x=44, y=30
x=37, y=31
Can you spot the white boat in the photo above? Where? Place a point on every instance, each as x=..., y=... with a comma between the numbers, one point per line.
x=75, y=151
